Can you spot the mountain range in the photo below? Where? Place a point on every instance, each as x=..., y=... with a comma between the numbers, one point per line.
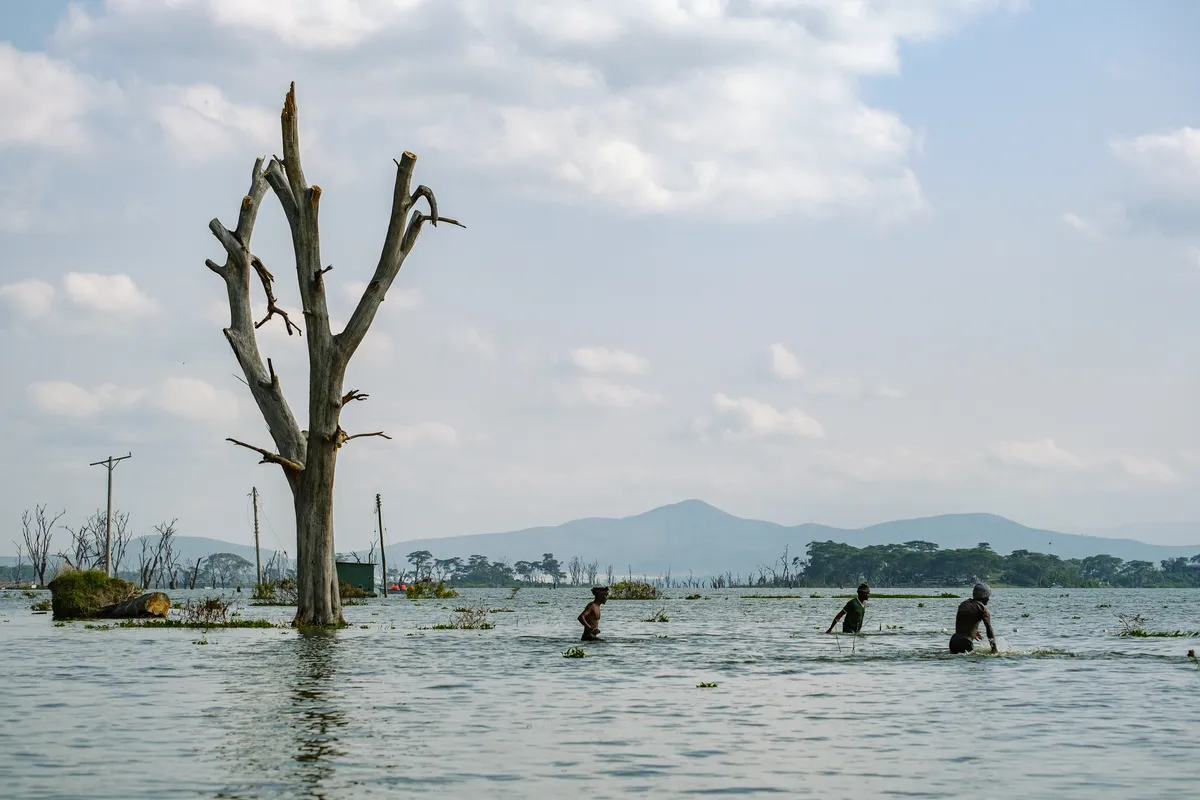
x=693, y=535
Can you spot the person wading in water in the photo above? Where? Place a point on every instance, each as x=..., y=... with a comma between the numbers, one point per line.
x=966, y=624
x=590, y=617
x=853, y=611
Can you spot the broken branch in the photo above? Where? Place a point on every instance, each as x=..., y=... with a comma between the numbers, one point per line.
x=341, y=437
x=270, y=458
x=272, y=309
x=354, y=394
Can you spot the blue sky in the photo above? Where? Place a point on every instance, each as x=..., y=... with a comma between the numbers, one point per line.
x=801, y=263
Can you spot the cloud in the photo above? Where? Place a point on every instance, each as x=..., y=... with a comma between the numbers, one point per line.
x=1037, y=453
x=195, y=399
x=891, y=392
x=66, y=399
x=1169, y=159
x=472, y=339
x=784, y=364
x=1081, y=225
x=397, y=297
x=46, y=101
x=746, y=418
x=29, y=298
x=108, y=293
x=1193, y=256
x=629, y=104
x=432, y=433
x=602, y=359
x=202, y=124
x=1147, y=469
x=593, y=391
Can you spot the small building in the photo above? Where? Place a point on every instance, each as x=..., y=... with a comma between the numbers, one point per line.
x=357, y=573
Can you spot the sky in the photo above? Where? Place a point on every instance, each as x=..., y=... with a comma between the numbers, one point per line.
x=806, y=260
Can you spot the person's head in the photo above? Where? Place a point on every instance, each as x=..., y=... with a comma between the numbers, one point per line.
x=864, y=591
x=982, y=593
x=600, y=594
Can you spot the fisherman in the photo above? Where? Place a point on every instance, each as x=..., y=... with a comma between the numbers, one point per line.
x=853, y=611
x=966, y=623
x=590, y=617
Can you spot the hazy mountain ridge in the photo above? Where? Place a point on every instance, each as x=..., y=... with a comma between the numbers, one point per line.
x=693, y=535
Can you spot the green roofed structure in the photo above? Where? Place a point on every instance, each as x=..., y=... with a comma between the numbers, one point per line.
x=358, y=574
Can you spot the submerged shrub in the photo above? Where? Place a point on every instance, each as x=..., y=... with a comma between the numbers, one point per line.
x=420, y=591
x=209, y=611
x=632, y=590
x=348, y=591
x=467, y=619
x=574, y=652
x=282, y=592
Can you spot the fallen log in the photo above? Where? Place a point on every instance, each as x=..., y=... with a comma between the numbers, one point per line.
x=151, y=604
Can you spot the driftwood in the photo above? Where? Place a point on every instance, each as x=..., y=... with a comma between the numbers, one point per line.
x=151, y=604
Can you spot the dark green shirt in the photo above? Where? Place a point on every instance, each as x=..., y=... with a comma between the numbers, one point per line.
x=855, y=611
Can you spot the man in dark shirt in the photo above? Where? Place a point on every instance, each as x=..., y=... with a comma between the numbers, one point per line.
x=853, y=611
x=966, y=623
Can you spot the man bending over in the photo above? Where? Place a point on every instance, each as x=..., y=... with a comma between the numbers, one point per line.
x=966, y=623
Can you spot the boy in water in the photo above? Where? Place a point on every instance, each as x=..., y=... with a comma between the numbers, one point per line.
x=590, y=618
x=853, y=611
x=966, y=623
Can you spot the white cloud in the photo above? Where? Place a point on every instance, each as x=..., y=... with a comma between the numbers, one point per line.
x=746, y=417
x=1193, y=256
x=1148, y=469
x=641, y=105
x=472, y=339
x=29, y=298
x=432, y=433
x=891, y=392
x=1170, y=159
x=1037, y=453
x=109, y=293
x=603, y=359
x=192, y=398
x=597, y=392
x=784, y=363
x=892, y=464
x=46, y=101
x=203, y=124
x=1081, y=225
x=835, y=385
x=66, y=399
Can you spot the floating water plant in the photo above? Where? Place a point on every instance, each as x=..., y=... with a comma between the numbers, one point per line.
x=41, y=606
x=513, y=594
x=418, y=591
x=1141, y=634
x=543, y=602
x=771, y=597
x=503, y=611
x=920, y=605
x=467, y=619
x=1024, y=616
x=706, y=685
x=816, y=596
x=692, y=597
x=574, y=652
x=659, y=616
x=1104, y=605
x=632, y=590
x=942, y=596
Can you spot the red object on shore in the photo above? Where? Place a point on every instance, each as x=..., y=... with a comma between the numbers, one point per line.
x=403, y=587
x=394, y=587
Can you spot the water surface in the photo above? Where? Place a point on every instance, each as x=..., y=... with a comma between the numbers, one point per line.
x=385, y=709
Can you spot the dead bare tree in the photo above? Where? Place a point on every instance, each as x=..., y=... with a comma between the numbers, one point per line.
x=121, y=536
x=593, y=569
x=37, y=529
x=20, y=562
x=309, y=457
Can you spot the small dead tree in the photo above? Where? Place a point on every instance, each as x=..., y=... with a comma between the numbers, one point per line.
x=308, y=458
x=37, y=529
x=121, y=536
x=20, y=562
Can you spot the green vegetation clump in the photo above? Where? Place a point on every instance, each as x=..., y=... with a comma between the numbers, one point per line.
x=467, y=619
x=1141, y=634
x=503, y=611
x=574, y=652
x=420, y=591
x=181, y=623
x=632, y=590
x=706, y=685
x=659, y=616
x=774, y=596
x=543, y=602
x=816, y=596
x=41, y=606
x=347, y=591
x=275, y=593
x=79, y=594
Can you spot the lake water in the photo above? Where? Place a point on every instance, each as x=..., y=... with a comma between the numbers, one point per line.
x=384, y=709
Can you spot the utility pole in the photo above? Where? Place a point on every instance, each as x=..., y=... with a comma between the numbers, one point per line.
x=382, y=551
x=111, y=464
x=257, y=550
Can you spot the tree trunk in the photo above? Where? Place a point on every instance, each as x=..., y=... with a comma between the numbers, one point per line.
x=318, y=599
x=152, y=604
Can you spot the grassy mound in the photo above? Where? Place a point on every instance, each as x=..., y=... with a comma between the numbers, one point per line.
x=420, y=591
x=79, y=594
x=632, y=590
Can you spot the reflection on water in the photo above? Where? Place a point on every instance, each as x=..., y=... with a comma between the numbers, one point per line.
x=386, y=709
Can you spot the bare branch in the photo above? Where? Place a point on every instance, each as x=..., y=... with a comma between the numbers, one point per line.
x=272, y=308
x=279, y=183
x=270, y=458
x=291, y=145
x=342, y=437
x=354, y=394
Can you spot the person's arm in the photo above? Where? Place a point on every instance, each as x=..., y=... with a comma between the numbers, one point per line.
x=840, y=614
x=987, y=623
x=582, y=620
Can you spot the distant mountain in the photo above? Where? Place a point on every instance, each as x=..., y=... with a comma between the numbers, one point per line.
x=696, y=536
x=1165, y=533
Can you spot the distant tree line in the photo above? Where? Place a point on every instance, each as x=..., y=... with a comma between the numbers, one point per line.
x=915, y=563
